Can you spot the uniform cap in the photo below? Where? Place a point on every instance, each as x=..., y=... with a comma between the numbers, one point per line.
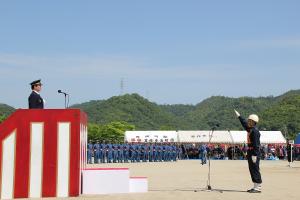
x=36, y=82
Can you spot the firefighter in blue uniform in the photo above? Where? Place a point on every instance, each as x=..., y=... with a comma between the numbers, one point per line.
x=179, y=153
x=147, y=152
x=97, y=152
x=253, y=152
x=132, y=153
x=138, y=153
x=155, y=152
x=143, y=152
x=109, y=153
x=121, y=153
x=169, y=153
x=115, y=153
x=203, y=154
x=165, y=150
x=102, y=153
x=89, y=152
x=151, y=152
x=126, y=152
x=174, y=152
x=159, y=154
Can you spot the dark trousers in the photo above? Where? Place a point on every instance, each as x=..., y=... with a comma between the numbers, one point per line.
x=254, y=169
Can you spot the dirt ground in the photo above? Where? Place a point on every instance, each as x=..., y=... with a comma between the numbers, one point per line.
x=179, y=180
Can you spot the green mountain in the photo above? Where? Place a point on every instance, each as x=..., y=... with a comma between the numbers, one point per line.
x=146, y=115
x=276, y=113
x=6, y=110
x=132, y=109
x=284, y=115
x=218, y=110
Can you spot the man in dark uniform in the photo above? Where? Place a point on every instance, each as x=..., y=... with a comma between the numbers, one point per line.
x=35, y=101
x=253, y=152
x=290, y=153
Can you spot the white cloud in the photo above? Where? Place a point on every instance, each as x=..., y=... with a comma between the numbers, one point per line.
x=104, y=66
x=271, y=43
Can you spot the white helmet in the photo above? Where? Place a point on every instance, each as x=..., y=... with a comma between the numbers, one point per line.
x=254, y=118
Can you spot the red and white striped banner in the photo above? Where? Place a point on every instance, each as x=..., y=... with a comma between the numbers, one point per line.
x=42, y=153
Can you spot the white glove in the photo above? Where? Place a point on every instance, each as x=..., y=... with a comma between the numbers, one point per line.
x=237, y=113
x=254, y=159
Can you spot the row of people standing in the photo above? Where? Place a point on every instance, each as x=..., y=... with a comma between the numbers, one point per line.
x=119, y=153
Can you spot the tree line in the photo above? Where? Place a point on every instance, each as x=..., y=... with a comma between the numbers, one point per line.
x=108, y=119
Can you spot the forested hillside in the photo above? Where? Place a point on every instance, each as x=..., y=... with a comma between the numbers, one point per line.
x=145, y=115
x=132, y=110
x=5, y=111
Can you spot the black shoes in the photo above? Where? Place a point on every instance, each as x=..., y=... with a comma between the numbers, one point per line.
x=254, y=191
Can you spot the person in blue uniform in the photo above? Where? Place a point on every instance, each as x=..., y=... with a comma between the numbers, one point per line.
x=35, y=101
x=115, y=153
x=132, y=153
x=174, y=152
x=109, y=149
x=120, y=153
x=160, y=152
x=143, y=153
x=179, y=152
x=97, y=152
x=155, y=152
x=90, y=152
x=147, y=152
x=253, y=152
x=126, y=152
x=102, y=153
x=138, y=150
x=151, y=147
x=165, y=151
x=203, y=154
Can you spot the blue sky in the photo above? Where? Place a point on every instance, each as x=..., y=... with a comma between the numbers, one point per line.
x=169, y=51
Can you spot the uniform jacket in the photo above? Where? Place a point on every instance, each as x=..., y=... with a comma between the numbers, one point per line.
x=35, y=101
x=254, y=137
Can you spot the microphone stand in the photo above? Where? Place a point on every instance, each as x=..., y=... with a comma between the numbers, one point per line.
x=65, y=94
x=208, y=186
x=233, y=155
x=65, y=100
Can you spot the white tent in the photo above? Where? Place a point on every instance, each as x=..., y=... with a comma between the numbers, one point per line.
x=151, y=136
x=204, y=136
x=239, y=137
x=266, y=137
x=226, y=137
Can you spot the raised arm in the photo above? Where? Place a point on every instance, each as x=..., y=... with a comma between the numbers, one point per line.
x=242, y=120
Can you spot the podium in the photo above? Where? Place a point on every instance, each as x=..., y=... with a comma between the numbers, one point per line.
x=42, y=153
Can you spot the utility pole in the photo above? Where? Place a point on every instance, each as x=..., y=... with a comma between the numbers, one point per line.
x=122, y=86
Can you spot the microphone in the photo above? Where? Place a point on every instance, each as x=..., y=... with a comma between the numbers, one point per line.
x=59, y=91
x=66, y=99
